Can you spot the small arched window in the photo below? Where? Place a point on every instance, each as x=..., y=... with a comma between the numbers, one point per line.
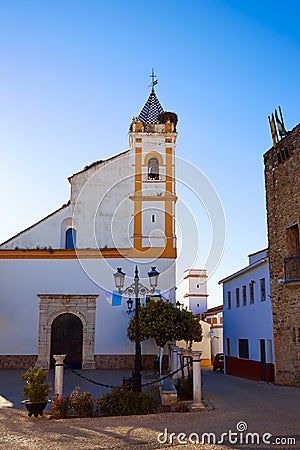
x=153, y=169
x=70, y=238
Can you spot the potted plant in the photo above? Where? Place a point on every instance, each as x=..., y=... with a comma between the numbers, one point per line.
x=36, y=390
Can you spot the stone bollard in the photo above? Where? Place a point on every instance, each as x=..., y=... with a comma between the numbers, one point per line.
x=59, y=374
x=186, y=361
x=174, y=362
x=177, y=364
x=180, y=353
x=170, y=348
x=197, y=397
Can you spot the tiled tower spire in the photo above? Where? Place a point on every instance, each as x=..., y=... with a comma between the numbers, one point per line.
x=151, y=109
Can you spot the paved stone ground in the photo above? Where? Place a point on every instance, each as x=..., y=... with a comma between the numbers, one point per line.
x=262, y=408
x=11, y=383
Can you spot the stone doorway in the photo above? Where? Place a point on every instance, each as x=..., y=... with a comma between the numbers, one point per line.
x=51, y=307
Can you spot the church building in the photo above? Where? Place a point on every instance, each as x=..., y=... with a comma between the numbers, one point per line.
x=57, y=291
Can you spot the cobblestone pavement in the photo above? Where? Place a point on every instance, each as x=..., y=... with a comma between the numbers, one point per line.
x=259, y=407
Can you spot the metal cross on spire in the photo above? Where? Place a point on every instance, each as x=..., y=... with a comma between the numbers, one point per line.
x=154, y=81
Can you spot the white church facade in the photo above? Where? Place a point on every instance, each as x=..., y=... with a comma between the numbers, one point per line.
x=56, y=277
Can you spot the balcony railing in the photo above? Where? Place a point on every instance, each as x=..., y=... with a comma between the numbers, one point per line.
x=292, y=268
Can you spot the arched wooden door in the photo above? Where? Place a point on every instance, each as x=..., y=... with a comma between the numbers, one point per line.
x=66, y=339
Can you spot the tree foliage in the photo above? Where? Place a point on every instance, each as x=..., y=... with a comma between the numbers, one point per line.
x=190, y=330
x=163, y=322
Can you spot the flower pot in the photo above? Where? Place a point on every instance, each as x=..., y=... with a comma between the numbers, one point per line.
x=35, y=408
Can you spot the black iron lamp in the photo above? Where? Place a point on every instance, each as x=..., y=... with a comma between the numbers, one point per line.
x=136, y=288
x=130, y=304
x=153, y=277
x=119, y=279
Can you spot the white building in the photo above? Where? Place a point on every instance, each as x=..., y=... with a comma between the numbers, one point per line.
x=195, y=290
x=214, y=316
x=195, y=300
x=204, y=346
x=247, y=317
x=56, y=277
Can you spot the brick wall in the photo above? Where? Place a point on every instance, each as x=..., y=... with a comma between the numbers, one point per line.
x=282, y=179
x=112, y=362
x=17, y=361
x=116, y=362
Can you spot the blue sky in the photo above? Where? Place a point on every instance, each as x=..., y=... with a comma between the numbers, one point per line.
x=73, y=73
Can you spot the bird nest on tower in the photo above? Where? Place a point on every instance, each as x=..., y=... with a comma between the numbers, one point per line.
x=168, y=116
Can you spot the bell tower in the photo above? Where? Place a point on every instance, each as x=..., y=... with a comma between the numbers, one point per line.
x=152, y=139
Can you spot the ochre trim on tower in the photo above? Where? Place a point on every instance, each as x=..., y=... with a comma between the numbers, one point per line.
x=152, y=198
x=195, y=276
x=195, y=295
x=137, y=224
x=169, y=171
x=169, y=218
x=154, y=155
x=137, y=209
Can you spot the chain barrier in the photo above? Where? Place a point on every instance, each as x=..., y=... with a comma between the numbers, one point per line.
x=170, y=375
x=111, y=386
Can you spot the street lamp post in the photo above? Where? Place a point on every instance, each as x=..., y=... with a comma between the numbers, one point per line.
x=136, y=289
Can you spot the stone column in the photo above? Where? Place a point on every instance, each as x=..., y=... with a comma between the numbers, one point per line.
x=174, y=360
x=180, y=353
x=170, y=348
x=186, y=361
x=197, y=397
x=59, y=374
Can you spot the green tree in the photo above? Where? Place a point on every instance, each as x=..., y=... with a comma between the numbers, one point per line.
x=190, y=328
x=163, y=322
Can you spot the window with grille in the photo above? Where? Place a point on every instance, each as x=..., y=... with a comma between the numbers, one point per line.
x=251, y=289
x=244, y=295
x=262, y=289
x=237, y=297
x=229, y=300
x=243, y=348
x=228, y=346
